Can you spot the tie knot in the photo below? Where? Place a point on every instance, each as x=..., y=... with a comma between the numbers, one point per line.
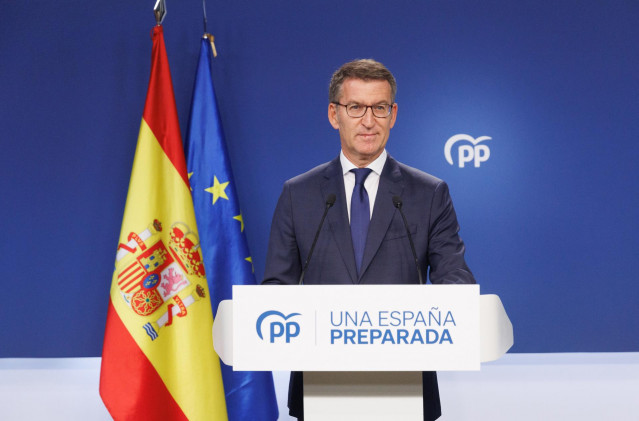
x=361, y=174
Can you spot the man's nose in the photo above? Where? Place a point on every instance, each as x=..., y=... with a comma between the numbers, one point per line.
x=368, y=119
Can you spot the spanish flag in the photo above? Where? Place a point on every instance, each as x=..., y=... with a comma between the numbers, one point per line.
x=158, y=361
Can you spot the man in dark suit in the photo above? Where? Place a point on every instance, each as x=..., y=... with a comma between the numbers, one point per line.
x=364, y=240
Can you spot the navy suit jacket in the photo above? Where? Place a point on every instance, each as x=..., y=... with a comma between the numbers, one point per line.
x=387, y=255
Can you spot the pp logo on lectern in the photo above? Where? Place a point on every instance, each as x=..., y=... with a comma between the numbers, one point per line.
x=279, y=326
x=466, y=153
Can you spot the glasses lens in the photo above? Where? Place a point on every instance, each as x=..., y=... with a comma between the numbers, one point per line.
x=355, y=110
x=381, y=110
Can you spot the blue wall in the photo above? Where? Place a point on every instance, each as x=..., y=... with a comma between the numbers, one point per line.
x=550, y=220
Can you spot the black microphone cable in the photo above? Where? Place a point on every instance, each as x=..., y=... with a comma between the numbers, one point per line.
x=330, y=201
x=397, y=201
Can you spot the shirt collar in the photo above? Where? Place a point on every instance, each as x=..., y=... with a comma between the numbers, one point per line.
x=377, y=165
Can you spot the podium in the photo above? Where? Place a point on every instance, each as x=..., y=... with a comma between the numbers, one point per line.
x=362, y=347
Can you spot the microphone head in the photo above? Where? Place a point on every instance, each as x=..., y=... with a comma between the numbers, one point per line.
x=330, y=199
x=397, y=201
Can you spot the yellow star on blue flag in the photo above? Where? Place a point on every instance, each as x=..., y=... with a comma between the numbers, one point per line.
x=239, y=218
x=217, y=190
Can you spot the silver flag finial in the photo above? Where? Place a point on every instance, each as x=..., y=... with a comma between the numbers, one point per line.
x=160, y=11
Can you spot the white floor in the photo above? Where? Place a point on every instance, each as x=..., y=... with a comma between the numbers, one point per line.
x=520, y=387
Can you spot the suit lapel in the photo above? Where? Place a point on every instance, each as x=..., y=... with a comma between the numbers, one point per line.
x=390, y=184
x=338, y=216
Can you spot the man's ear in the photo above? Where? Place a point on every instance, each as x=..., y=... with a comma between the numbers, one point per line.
x=393, y=115
x=332, y=116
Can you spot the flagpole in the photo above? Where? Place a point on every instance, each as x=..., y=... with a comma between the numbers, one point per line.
x=204, y=15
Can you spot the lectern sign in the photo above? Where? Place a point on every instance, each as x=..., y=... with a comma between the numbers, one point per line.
x=356, y=327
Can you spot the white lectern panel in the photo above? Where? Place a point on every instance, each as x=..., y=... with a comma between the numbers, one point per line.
x=356, y=327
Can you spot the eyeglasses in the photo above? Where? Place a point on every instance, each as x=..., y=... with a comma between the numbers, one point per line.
x=358, y=110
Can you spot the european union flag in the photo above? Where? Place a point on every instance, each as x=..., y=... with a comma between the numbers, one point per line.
x=249, y=395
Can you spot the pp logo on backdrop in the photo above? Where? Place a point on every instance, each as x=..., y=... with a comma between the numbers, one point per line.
x=279, y=326
x=466, y=153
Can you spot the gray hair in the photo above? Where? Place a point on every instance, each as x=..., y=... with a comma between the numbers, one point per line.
x=365, y=69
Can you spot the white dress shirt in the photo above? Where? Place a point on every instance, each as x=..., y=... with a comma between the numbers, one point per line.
x=370, y=184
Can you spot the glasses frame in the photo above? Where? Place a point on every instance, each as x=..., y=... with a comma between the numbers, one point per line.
x=366, y=107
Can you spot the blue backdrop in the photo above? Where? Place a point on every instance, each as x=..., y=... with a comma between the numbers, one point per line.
x=549, y=220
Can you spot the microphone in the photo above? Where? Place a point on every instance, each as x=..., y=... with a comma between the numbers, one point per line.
x=330, y=201
x=397, y=201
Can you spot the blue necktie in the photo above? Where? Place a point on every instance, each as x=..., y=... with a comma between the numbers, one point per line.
x=360, y=215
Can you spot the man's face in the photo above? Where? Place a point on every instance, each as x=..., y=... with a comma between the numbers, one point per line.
x=363, y=139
